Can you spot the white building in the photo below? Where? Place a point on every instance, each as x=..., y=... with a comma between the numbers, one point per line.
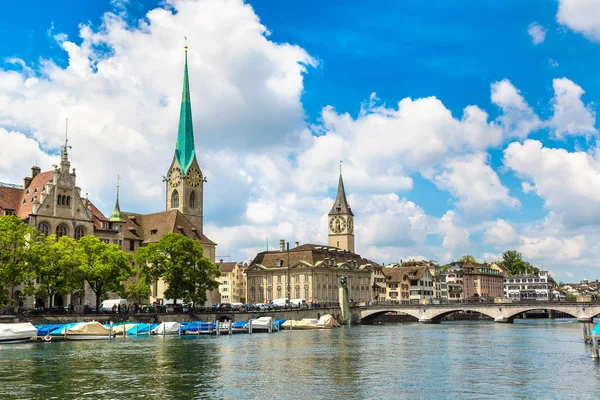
x=529, y=287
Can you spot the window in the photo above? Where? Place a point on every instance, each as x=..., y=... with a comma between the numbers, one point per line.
x=278, y=292
x=9, y=212
x=175, y=199
x=193, y=200
x=278, y=278
x=68, y=201
x=269, y=280
x=306, y=279
x=61, y=230
x=131, y=245
x=296, y=278
x=79, y=232
x=44, y=228
x=306, y=292
x=297, y=291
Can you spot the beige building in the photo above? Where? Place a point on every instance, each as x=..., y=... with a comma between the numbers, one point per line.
x=397, y=285
x=378, y=284
x=232, y=282
x=310, y=271
x=417, y=279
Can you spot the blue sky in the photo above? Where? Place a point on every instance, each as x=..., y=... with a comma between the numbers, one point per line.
x=493, y=145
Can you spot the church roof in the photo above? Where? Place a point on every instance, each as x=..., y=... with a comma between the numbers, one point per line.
x=341, y=205
x=151, y=227
x=185, y=149
x=311, y=254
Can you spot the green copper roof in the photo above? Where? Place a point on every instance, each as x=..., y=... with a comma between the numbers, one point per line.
x=184, y=152
x=116, y=215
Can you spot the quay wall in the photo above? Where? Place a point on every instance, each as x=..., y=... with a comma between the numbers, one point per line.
x=179, y=317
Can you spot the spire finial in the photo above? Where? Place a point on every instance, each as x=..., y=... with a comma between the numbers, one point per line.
x=340, y=167
x=116, y=215
x=185, y=46
x=66, y=147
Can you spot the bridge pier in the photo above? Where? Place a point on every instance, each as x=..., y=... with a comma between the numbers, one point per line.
x=584, y=320
x=504, y=320
x=430, y=321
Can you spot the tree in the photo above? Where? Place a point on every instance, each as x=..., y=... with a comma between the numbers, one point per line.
x=180, y=262
x=55, y=264
x=571, y=297
x=15, y=239
x=467, y=259
x=138, y=292
x=105, y=266
x=513, y=261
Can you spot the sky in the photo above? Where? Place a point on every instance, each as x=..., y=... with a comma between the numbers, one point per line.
x=462, y=127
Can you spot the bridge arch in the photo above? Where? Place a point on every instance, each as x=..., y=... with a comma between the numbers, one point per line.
x=368, y=317
x=523, y=310
x=441, y=315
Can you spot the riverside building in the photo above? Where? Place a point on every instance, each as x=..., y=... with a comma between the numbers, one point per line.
x=536, y=286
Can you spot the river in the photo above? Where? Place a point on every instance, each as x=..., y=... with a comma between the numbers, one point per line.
x=539, y=359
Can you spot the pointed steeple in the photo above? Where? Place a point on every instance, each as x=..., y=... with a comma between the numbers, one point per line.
x=185, y=151
x=341, y=203
x=116, y=215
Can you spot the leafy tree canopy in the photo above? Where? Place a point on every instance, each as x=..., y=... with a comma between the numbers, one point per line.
x=513, y=261
x=15, y=239
x=180, y=262
x=467, y=259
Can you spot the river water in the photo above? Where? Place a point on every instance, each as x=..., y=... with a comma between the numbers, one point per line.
x=538, y=359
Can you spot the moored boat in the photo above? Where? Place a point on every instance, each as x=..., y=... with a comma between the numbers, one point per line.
x=327, y=322
x=166, y=329
x=17, y=333
x=88, y=331
x=305, y=323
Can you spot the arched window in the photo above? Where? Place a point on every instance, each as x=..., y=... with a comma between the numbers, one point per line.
x=61, y=230
x=79, y=232
x=193, y=200
x=175, y=199
x=69, y=201
x=58, y=199
x=44, y=228
x=63, y=200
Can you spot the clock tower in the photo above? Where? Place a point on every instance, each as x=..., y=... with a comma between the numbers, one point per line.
x=341, y=221
x=184, y=180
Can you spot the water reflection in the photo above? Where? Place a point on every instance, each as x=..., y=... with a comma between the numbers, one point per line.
x=541, y=359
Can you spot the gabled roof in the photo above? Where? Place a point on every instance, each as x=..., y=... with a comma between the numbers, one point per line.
x=151, y=227
x=397, y=274
x=340, y=206
x=226, y=266
x=19, y=200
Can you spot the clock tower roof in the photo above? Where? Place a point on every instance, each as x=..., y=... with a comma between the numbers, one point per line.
x=185, y=150
x=341, y=205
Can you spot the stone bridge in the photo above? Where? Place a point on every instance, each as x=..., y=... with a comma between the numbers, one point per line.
x=500, y=312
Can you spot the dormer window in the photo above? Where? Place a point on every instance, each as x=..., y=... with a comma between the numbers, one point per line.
x=24, y=201
x=35, y=190
x=154, y=231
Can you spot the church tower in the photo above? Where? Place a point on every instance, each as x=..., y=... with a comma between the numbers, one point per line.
x=341, y=221
x=184, y=180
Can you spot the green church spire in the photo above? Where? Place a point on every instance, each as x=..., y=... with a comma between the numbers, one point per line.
x=116, y=215
x=185, y=152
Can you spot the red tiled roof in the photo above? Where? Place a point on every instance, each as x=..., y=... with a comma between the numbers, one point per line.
x=21, y=201
x=9, y=198
x=226, y=266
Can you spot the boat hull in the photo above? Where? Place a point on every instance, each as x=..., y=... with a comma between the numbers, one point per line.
x=87, y=337
x=15, y=340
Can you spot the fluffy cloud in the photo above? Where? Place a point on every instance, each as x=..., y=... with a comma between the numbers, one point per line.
x=455, y=235
x=567, y=181
x=581, y=16
x=474, y=183
x=571, y=116
x=537, y=33
x=500, y=233
x=518, y=118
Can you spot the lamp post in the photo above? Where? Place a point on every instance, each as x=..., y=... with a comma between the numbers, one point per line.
x=289, y=284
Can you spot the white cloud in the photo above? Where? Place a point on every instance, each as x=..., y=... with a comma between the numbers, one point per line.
x=537, y=33
x=571, y=116
x=518, y=118
x=581, y=16
x=567, y=181
x=455, y=235
x=501, y=234
x=474, y=183
x=552, y=248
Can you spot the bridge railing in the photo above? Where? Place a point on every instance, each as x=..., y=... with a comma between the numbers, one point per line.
x=498, y=302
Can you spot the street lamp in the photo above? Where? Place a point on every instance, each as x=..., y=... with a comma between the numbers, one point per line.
x=289, y=284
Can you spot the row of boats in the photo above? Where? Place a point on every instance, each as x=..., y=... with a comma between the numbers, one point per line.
x=93, y=330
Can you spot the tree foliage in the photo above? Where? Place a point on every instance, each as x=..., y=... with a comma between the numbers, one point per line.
x=105, y=266
x=467, y=258
x=180, y=262
x=513, y=261
x=15, y=240
x=55, y=264
x=138, y=292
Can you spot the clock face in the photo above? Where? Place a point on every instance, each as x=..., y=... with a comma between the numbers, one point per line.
x=194, y=177
x=175, y=177
x=337, y=224
x=350, y=225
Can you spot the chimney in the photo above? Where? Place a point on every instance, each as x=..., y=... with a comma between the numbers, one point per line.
x=35, y=170
x=297, y=244
x=26, y=182
x=282, y=245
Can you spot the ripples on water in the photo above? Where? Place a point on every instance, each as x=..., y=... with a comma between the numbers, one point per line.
x=531, y=359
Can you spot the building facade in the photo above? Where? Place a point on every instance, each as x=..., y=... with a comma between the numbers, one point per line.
x=232, y=282
x=529, y=287
x=481, y=281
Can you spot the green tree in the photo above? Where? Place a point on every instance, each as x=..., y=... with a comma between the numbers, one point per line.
x=467, y=259
x=15, y=239
x=513, y=261
x=180, y=262
x=571, y=297
x=55, y=264
x=105, y=266
x=138, y=292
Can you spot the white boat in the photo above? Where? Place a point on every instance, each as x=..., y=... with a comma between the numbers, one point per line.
x=166, y=329
x=263, y=324
x=88, y=331
x=327, y=322
x=17, y=333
